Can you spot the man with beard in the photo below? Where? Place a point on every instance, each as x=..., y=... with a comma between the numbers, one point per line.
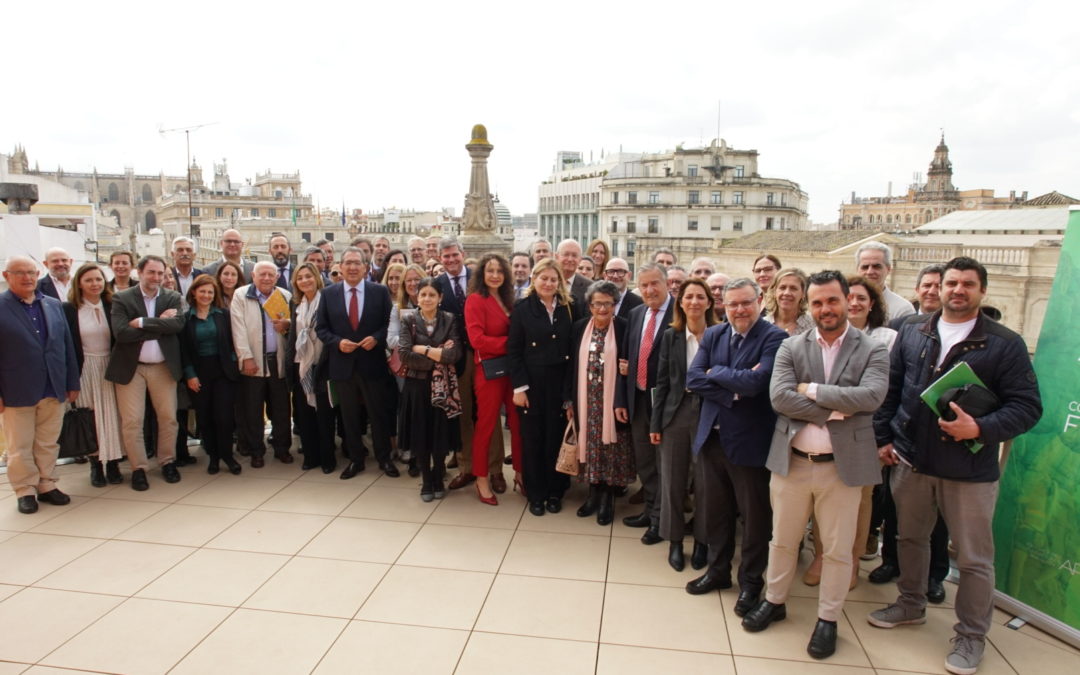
x=57, y=283
x=281, y=252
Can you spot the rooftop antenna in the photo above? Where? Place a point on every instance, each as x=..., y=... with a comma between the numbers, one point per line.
x=192, y=230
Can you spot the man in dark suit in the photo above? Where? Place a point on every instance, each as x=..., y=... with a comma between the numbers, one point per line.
x=731, y=374
x=633, y=393
x=617, y=271
x=38, y=372
x=521, y=268
x=146, y=358
x=57, y=282
x=568, y=253
x=184, y=270
x=825, y=387
x=352, y=321
x=281, y=252
x=232, y=249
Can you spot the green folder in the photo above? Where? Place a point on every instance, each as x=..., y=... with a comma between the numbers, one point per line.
x=958, y=376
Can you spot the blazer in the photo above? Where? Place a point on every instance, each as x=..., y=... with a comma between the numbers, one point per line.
x=629, y=302
x=487, y=326
x=626, y=390
x=46, y=286
x=536, y=342
x=71, y=313
x=856, y=387
x=746, y=421
x=332, y=326
x=195, y=272
x=450, y=304
x=226, y=354
x=245, y=278
x=281, y=282
x=249, y=339
x=577, y=293
x=128, y=305
x=446, y=328
x=26, y=368
x=577, y=334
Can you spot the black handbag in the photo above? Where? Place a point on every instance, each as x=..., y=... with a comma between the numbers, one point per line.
x=78, y=435
x=975, y=400
x=496, y=367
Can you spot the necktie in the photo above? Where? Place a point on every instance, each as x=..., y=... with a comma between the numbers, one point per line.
x=283, y=277
x=354, y=311
x=646, y=349
x=459, y=292
x=736, y=341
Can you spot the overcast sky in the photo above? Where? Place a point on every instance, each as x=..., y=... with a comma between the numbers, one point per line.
x=373, y=105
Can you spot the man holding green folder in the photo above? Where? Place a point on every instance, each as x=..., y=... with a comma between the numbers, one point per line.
x=952, y=466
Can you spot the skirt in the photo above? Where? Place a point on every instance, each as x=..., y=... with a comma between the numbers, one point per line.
x=422, y=427
x=99, y=394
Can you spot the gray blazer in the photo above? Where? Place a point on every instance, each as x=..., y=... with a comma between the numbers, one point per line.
x=249, y=269
x=856, y=387
x=127, y=305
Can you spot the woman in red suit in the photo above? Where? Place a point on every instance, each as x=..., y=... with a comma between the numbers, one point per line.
x=487, y=320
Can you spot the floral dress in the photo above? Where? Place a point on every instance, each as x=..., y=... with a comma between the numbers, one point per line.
x=611, y=463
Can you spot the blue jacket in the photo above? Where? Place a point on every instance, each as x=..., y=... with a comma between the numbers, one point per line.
x=27, y=370
x=998, y=356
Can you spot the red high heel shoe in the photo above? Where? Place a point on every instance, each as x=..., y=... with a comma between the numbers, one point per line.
x=490, y=501
x=520, y=487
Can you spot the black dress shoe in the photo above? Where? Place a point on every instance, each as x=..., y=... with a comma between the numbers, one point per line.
x=592, y=502
x=112, y=472
x=351, y=470
x=170, y=473
x=652, y=536
x=213, y=466
x=606, y=514
x=309, y=465
x=935, y=591
x=284, y=457
x=759, y=618
x=746, y=602
x=823, y=641
x=97, y=473
x=414, y=469
x=700, y=556
x=257, y=462
x=54, y=497
x=234, y=466
x=28, y=504
x=185, y=460
x=712, y=580
x=884, y=573
x=640, y=520
x=553, y=505
x=138, y=480
x=330, y=468
x=537, y=508
x=389, y=469
x=675, y=556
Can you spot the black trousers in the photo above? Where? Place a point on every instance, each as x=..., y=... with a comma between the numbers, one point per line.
x=214, y=405
x=726, y=490
x=645, y=454
x=365, y=392
x=269, y=394
x=939, y=538
x=315, y=426
x=542, y=427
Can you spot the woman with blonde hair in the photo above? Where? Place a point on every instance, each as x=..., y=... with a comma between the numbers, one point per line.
x=785, y=302
x=600, y=253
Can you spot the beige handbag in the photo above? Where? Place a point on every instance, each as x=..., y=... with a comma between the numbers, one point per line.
x=568, y=451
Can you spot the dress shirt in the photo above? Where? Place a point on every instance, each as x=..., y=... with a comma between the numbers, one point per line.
x=359, y=298
x=150, y=352
x=814, y=438
x=62, y=287
x=463, y=280
x=659, y=319
x=270, y=336
x=184, y=282
x=35, y=311
x=692, y=346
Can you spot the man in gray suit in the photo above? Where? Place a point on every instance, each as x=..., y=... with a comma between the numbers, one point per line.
x=825, y=387
x=568, y=254
x=232, y=249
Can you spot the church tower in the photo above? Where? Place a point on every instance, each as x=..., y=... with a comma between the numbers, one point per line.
x=939, y=177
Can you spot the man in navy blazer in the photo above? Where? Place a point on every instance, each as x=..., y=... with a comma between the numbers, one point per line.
x=731, y=374
x=57, y=282
x=352, y=322
x=38, y=372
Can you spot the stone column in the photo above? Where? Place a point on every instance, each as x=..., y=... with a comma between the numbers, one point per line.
x=478, y=220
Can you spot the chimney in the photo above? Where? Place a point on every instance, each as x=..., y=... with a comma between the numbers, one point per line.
x=1023, y=196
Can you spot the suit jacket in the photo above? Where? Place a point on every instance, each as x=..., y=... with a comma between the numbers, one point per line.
x=450, y=304
x=629, y=302
x=535, y=342
x=670, y=379
x=626, y=390
x=128, y=305
x=46, y=286
x=26, y=368
x=856, y=387
x=487, y=326
x=577, y=334
x=71, y=313
x=282, y=282
x=577, y=293
x=332, y=326
x=226, y=354
x=245, y=278
x=746, y=422
x=195, y=272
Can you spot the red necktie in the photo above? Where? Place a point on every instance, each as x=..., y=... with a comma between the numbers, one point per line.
x=646, y=349
x=354, y=311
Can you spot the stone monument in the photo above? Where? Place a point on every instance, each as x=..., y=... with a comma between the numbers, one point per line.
x=478, y=220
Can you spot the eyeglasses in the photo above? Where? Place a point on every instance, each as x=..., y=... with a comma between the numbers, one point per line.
x=617, y=273
x=739, y=305
x=763, y=270
x=232, y=241
x=602, y=305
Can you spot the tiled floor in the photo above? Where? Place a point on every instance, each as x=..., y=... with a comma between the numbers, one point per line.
x=279, y=571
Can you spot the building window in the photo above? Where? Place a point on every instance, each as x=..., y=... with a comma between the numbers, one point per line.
x=691, y=170
x=691, y=225
x=615, y=248
x=631, y=198
x=654, y=225
x=737, y=226
x=328, y=236
x=783, y=199
x=631, y=226
x=768, y=223
x=114, y=193
x=715, y=223
x=295, y=213
x=737, y=198
x=614, y=225
x=768, y=199
x=693, y=197
x=654, y=197
x=272, y=213
x=630, y=246
x=716, y=197
x=194, y=211
x=783, y=224
x=305, y=236
x=219, y=212
x=740, y=171
x=255, y=213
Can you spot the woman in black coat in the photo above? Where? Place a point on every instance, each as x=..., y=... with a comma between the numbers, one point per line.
x=538, y=349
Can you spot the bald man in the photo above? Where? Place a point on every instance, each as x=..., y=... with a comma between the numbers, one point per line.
x=57, y=283
x=232, y=250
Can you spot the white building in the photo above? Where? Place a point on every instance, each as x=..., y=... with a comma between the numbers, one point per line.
x=570, y=197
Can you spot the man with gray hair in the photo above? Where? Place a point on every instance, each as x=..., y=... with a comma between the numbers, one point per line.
x=716, y=283
x=665, y=256
x=701, y=268
x=57, y=283
x=873, y=260
x=540, y=249
x=568, y=254
x=315, y=256
x=416, y=251
x=617, y=271
x=184, y=270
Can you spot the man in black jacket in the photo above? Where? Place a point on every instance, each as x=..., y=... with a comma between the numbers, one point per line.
x=934, y=465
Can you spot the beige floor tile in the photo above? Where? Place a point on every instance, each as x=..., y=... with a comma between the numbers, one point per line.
x=78, y=485
x=319, y=586
x=787, y=639
x=462, y=507
x=379, y=541
x=372, y=476
x=102, y=518
x=622, y=509
x=183, y=524
x=166, y=630
x=13, y=521
x=235, y=492
x=1035, y=633
x=623, y=660
x=270, y=532
x=7, y=590
x=192, y=478
x=457, y=548
x=668, y=618
x=117, y=567
x=49, y=670
x=631, y=562
x=524, y=606
x=215, y=577
x=252, y=641
x=1028, y=654
x=9, y=668
x=748, y=665
x=273, y=468
x=422, y=596
x=488, y=653
x=30, y=556
x=391, y=649
x=7, y=534
x=382, y=503
x=36, y=621
x=561, y=556
x=311, y=497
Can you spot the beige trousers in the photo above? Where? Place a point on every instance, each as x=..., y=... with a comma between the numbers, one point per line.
x=131, y=399
x=32, y=434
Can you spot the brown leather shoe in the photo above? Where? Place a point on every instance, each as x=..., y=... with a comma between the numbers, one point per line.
x=257, y=462
x=461, y=480
x=284, y=457
x=498, y=483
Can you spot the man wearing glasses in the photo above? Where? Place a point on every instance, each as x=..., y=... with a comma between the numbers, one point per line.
x=618, y=272
x=232, y=249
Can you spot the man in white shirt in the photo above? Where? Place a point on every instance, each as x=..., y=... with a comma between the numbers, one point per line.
x=521, y=268
x=874, y=261
x=57, y=283
x=568, y=253
x=184, y=271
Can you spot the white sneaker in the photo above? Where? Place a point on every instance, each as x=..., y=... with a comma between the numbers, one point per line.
x=965, y=655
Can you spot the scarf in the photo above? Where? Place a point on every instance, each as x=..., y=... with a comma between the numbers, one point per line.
x=308, y=345
x=444, y=390
x=609, y=360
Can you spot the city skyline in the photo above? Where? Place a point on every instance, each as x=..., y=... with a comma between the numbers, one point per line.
x=374, y=108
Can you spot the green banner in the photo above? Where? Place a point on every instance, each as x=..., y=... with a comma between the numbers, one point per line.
x=1037, y=522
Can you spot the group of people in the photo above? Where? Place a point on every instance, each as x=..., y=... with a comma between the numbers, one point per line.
x=774, y=399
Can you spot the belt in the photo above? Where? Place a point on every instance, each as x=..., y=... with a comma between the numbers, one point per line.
x=814, y=457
